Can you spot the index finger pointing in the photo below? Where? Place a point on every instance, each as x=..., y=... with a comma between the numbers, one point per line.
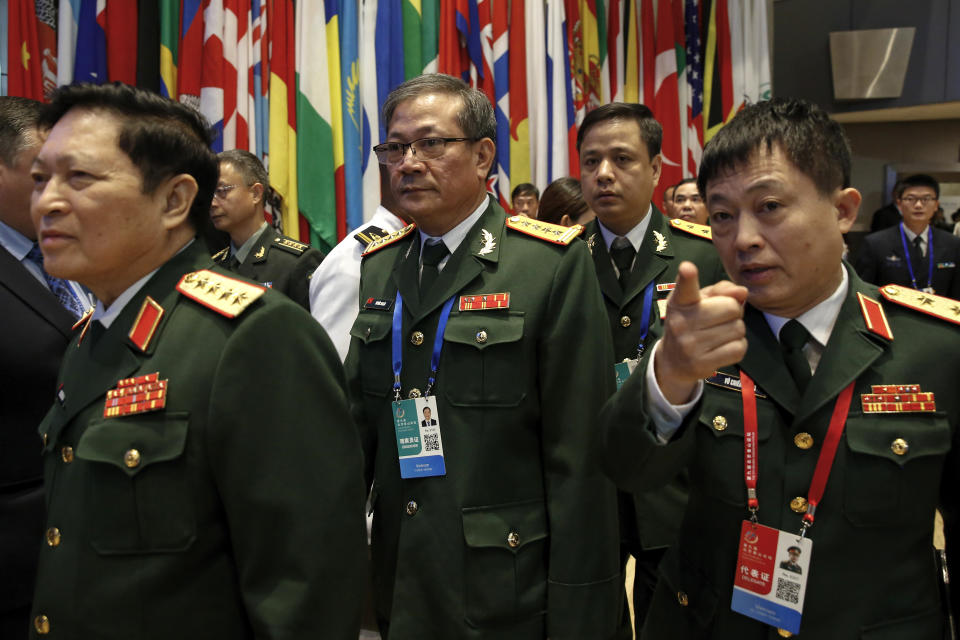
x=687, y=291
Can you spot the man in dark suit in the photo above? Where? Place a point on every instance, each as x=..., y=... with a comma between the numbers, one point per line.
x=635, y=252
x=833, y=422
x=36, y=329
x=256, y=250
x=428, y=420
x=519, y=538
x=185, y=499
x=914, y=253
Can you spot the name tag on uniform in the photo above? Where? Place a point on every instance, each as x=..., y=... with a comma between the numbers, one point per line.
x=624, y=369
x=771, y=577
x=416, y=423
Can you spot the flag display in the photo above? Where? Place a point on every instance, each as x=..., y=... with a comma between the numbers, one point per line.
x=302, y=83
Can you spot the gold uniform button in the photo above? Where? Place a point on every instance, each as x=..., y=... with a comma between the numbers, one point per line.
x=803, y=440
x=46, y=439
x=682, y=599
x=799, y=505
x=625, y=321
x=53, y=536
x=899, y=446
x=513, y=539
x=783, y=633
x=481, y=336
x=412, y=508
x=416, y=338
x=719, y=423
x=66, y=454
x=131, y=458
x=42, y=624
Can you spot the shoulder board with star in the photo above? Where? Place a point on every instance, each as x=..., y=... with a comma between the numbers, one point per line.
x=221, y=255
x=694, y=229
x=933, y=305
x=376, y=245
x=290, y=245
x=555, y=233
x=227, y=296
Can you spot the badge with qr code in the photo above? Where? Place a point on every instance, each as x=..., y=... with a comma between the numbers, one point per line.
x=771, y=578
x=416, y=423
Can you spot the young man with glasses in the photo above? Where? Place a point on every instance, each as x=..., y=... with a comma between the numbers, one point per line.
x=914, y=253
x=257, y=251
x=509, y=530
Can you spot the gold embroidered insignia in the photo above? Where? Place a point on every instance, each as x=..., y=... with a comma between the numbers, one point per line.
x=380, y=243
x=699, y=230
x=592, y=242
x=226, y=296
x=933, y=305
x=488, y=243
x=259, y=254
x=661, y=241
x=554, y=233
x=289, y=243
x=220, y=255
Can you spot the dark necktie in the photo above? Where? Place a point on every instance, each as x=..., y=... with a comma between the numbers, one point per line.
x=58, y=287
x=622, y=253
x=916, y=258
x=793, y=336
x=433, y=255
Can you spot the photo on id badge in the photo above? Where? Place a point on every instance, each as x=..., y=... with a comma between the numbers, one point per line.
x=416, y=422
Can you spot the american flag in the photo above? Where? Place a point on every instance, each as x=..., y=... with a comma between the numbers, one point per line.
x=695, y=84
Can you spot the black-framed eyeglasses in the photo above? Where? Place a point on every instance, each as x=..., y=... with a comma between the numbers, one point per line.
x=423, y=149
x=912, y=200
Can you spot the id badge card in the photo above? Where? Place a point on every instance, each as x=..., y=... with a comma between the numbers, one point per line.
x=416, y=423
x=624, y=369
x=771, y=577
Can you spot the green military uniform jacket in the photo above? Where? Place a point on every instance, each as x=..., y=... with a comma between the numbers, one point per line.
x=280, y=263
x=657, y=513
x=233, y=512
x=519, y=539
x=872, y=573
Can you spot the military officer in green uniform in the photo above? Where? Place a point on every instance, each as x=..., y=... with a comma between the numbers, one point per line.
x=508, y=529
x=636, y=250
x=183, y=502
x=802, y=400
x=257, y=251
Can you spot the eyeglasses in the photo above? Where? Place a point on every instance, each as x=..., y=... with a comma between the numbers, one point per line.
x=912, y=200
x=423, y=149
x=221, y=192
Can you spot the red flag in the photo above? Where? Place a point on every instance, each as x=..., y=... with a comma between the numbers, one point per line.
x=648, y=52
x=23, y=54
x=121, y=30
x=453, y=59
x=666, y=102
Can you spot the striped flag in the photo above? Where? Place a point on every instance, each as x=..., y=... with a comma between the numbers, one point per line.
x=592, y=61
x=452, y=59
x=694, y=59
x=390, y=64
x=46, y=11
x=648, y=52
x=615, y=50
x=316, y=122
x=412, y=38
x=666, y=104
x=718, y=72
x=211, y=70
x=578, y=65
x=350, y=95
x=283, y=125
x=369, y=10
x=169, y=41
x=680, y=50
x=631, y=61
x=260, y=123
x=430, y=34
x=25, y=77
x=501, y=81
x=756, y=52
x=190, y=48
x=230, y=73
x=558, y=160
x=66, y=39
x=519, y=117
x=90, y=59
x=536, y=54
x=735, y=26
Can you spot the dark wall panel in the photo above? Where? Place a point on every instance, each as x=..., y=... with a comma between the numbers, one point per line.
x=953, y=52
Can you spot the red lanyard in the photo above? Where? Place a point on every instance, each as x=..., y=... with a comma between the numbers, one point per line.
x=824, y=462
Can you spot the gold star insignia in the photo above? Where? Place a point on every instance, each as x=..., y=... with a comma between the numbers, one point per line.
x=226, y=293
x=924, y=300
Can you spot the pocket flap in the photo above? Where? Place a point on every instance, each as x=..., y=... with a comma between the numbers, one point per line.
x=371, y=326
x=509, y=526
x=134, y=443
x=483, y=329
x=721, y=412
x=899, y=437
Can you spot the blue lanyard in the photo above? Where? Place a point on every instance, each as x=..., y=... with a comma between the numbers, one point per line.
x=906, y=252
x=645, y=322
x=398, y=349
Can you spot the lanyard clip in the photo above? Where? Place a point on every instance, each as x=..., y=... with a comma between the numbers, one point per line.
x=807, y=520
x=396, y=388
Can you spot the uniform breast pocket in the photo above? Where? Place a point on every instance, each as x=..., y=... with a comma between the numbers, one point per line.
x=506, y=561
x=893, y=467
x=483, y=363
x=719, y=450
x=136, y=486
x=373, y=329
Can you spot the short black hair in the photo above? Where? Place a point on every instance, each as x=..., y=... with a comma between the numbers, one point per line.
x=919, y=180
x=562, y=196
x=18, y=117
x=162, y=137
x=476, y=118
x=650, y=129
x=524, y=189
x=247, y=165
x=813, y=142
